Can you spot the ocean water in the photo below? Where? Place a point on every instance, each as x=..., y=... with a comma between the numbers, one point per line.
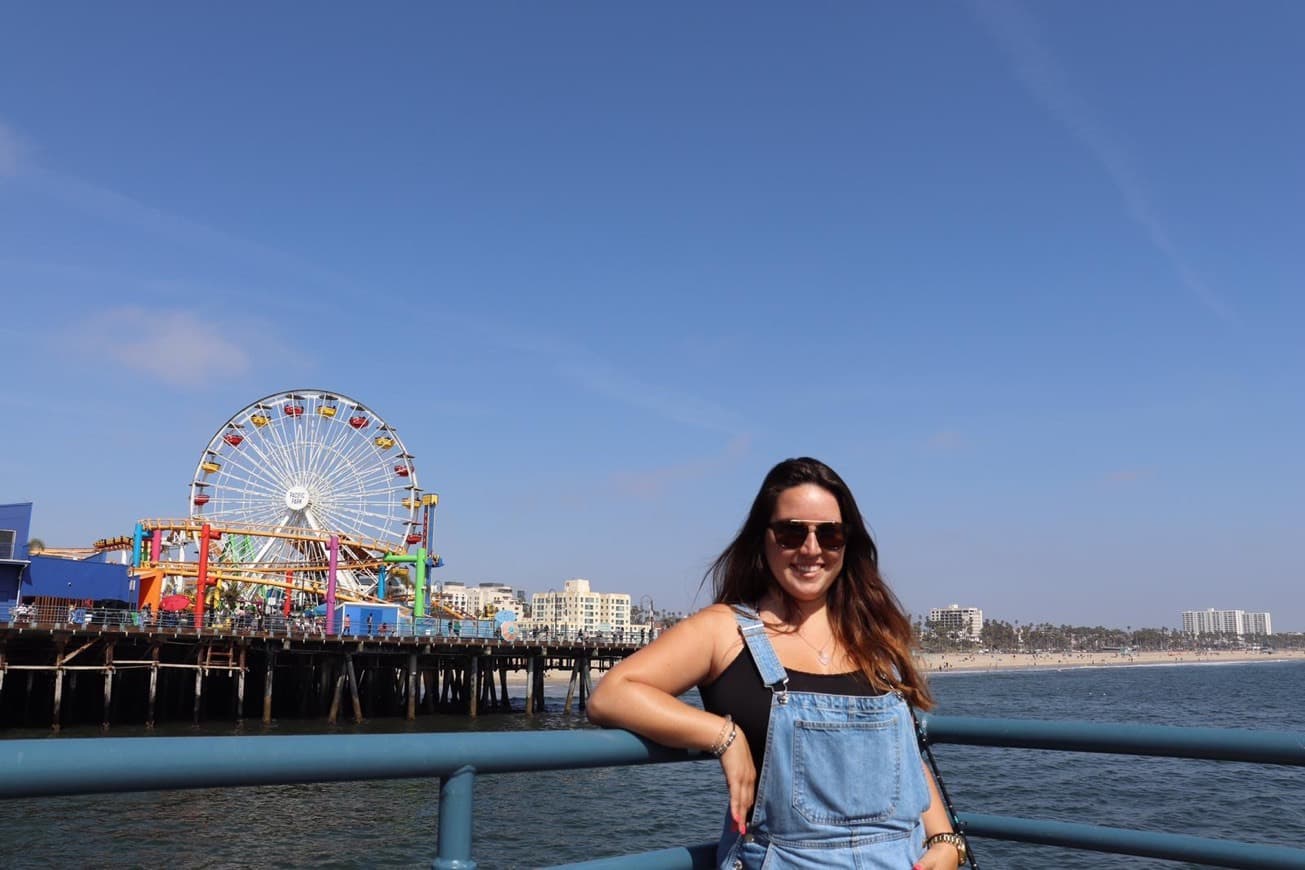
x=538, y=819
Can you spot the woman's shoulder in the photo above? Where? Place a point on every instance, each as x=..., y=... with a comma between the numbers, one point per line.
x=715, y=621
x=717, y=616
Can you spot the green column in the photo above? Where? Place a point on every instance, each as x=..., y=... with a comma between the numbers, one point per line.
x=419, y=608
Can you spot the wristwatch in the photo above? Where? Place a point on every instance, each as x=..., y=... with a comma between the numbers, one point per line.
x=952, y=839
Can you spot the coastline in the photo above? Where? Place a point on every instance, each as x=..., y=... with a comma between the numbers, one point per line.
x=973, y=663
x=968, y=663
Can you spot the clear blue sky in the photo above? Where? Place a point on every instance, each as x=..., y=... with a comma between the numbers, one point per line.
x=1028, y=275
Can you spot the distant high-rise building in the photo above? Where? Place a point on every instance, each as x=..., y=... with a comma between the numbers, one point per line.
x=1238, y=622
x=966, y=621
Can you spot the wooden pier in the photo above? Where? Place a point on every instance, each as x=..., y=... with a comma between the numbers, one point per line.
x=63, y=675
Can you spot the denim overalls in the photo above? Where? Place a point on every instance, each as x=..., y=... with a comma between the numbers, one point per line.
x=841, y=785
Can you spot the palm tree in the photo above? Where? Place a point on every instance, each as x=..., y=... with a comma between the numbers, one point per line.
x=35, y=545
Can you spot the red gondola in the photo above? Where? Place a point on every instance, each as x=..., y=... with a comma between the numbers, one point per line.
x=402, y=470
x=359, y=422
x=414, y=538
x=201, y=499
x=292, y=410
x=233, y=439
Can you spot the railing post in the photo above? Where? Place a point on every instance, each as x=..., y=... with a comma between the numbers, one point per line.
x=455, y=820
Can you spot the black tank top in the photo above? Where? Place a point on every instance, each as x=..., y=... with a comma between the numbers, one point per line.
x=739, y=692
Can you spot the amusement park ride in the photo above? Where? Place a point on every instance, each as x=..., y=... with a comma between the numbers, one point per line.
x=299, y=500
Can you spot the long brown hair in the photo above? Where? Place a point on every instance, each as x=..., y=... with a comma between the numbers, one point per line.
x=866, y=618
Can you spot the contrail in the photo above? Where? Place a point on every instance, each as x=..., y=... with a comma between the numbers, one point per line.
x=1039, y=72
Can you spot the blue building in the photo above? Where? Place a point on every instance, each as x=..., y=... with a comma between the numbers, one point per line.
x=28, y=576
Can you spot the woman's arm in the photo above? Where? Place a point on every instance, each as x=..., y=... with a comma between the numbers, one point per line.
x=940, y=856
x=641, y=694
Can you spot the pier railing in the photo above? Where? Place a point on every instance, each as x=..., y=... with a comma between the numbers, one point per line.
x=277, y=624
x=33, y=768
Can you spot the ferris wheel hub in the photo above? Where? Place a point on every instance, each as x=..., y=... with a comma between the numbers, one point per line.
x=296, y=498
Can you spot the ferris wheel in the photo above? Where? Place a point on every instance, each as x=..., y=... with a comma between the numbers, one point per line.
x=285, y=473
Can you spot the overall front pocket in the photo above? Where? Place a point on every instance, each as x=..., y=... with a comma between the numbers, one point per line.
x=847, y=773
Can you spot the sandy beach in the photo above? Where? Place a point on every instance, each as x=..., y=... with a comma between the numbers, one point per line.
x=971, y=662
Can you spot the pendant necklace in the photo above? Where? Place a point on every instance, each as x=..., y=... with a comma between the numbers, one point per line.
x=824, y=657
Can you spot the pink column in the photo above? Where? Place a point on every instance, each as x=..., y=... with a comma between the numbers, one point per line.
x=156, y=545
x=330, y=584
x=202, y=579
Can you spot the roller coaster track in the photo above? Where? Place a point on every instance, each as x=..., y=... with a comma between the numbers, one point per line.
x=194, y=527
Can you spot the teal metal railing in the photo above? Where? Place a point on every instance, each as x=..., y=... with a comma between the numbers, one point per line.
x=37, y=768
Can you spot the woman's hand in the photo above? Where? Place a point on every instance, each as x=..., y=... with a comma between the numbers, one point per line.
x=741, y=777
x=941, y=856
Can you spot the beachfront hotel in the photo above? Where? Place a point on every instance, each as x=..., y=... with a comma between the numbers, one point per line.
x=479, y=599
x=967, y=622
x=578, y=609
x=1238, y=622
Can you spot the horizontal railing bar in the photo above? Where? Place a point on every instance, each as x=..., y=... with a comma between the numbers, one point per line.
x=35, y=768
x=1147, y=844
x=700, y=857
x=1170, y=741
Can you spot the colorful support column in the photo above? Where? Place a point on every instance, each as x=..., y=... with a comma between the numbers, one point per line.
x=334, y=549
x=202, y=579
x=285, y=598
x=380, y=581
x=156, y=545
x=137, y=543
x=419, y=606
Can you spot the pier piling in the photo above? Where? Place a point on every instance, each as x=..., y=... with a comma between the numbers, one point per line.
x=267, y=687
x=476, y=677
x=412, y=686
x=353, y=688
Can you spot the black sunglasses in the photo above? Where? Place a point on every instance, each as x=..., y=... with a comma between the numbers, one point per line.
x=791, y=534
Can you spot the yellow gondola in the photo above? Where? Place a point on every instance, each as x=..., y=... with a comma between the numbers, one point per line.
x=259, y=419
x=209, y=467
x=385, y=442
x=410, y=503
x=327, y=410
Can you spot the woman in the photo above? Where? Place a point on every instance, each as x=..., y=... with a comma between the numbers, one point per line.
x=805, y=670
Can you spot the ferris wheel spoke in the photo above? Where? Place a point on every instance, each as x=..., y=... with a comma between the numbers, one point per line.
x=237, y=505
x=261, y=464
x=383, y=525
x=237, y=465
x=347, y=470
x=360, y=526
x=247, y=487
x=273, y=452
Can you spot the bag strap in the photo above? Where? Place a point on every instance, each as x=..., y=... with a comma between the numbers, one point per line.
x=922, y=736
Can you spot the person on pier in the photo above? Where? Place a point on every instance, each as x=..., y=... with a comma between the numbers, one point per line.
x=806, y=671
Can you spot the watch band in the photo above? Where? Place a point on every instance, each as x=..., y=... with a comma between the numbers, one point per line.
x=952, y=839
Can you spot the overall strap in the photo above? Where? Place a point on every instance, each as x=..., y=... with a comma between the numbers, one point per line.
x=753, y=630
